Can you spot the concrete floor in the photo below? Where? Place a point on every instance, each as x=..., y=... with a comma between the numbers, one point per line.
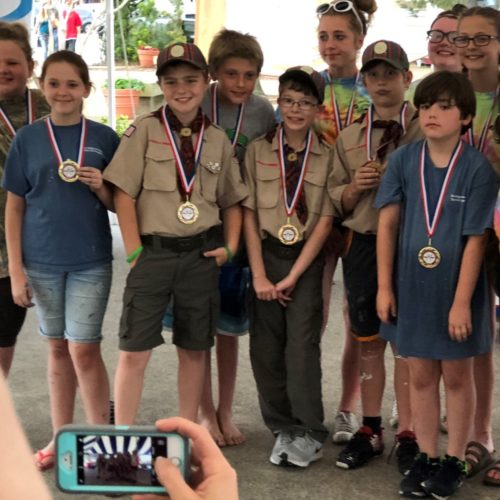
x=259, y=480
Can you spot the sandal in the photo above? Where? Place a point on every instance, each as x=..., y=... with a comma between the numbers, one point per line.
x=477, y=458
x=45, y=461
x=492, y=481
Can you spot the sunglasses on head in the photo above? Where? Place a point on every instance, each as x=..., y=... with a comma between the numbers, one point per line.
x=340, y=6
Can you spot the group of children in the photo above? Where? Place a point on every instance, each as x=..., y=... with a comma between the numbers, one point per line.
x=411, y=227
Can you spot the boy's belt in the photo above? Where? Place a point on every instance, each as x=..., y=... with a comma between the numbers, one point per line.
x=181, y=244
x=282, y=251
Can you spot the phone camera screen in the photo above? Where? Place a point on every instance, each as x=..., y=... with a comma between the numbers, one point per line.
x=119, y=460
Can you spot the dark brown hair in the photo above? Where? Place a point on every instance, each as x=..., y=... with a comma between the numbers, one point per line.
x=454, y=13
x=72, y=58
x=17, y=33
x=365, y=10
x=489, y=13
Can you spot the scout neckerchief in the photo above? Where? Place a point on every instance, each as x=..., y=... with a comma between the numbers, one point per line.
x=68, y=169
x=371, y=159
x=335, y=106
x=292, y=185
x=232, y=133
x=30, y=114
x=186, y=158
x=484, y=132
x=429, y=256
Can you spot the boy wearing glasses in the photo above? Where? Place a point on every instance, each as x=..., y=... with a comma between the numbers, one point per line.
x=287, y=217
x=360, y=157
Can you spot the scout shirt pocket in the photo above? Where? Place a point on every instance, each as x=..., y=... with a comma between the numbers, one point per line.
x=209, y=171
x=268, y=186
x=315, y=189
x=160, y=173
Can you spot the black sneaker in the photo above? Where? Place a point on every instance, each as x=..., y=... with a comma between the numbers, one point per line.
x=406, y=450
x=363, y=446
x=420, y=471
x=448, y=479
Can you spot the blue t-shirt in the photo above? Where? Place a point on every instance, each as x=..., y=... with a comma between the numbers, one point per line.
x=425, y=296
x=65, y=225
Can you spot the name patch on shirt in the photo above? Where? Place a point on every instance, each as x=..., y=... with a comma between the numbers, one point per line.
x=129, y=131
x=458, y=197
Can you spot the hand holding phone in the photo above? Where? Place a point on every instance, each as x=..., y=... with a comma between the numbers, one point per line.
x=213, y=479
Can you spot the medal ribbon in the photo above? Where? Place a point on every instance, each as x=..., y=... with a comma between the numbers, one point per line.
x=431, y=226
x=81, y=145
x=290, y=205
x=486, y=126
x=369, y=128
x=215, y=114
x=30, y=113
x=335, y=106
x=187, y=184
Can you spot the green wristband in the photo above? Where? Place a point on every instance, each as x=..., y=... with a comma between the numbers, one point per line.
x=133, y=256
x=228, y=253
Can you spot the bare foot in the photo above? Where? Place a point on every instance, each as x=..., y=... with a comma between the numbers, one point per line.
x=232, y=435
x=211, y=424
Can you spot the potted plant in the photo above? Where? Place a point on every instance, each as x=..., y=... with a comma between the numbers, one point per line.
x=147, y=55
x=127, y=93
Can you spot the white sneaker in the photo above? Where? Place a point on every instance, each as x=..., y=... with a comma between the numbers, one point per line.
x=345, y=426
x=394, y=419
x=302, y=451
x=280, y=448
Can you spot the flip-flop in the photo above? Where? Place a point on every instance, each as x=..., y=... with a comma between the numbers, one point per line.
x=45, y=461
x=477, y=457
x=492, y=481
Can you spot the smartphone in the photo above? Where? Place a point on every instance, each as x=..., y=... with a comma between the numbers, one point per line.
x=118, y=459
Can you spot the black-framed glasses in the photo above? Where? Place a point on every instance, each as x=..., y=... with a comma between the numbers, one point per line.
x=303, y=104
x=437, y=36
x=479, y=40
x=339, y=6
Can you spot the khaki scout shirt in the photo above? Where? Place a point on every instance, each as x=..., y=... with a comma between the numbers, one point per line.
x=349, y=155
x=16, y=109
x=144, y=168
x=263, y=179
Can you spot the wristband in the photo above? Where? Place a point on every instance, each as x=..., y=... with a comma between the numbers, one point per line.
x=133, y=256
x=229, y=254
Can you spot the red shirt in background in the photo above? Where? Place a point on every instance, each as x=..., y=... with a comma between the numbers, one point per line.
x=72, y=24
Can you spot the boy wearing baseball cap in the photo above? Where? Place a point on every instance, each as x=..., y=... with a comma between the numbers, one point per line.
x=360, y=157
x=287, y=217
x=174, y=173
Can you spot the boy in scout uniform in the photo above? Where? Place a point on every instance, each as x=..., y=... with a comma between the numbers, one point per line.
x=174, y=172
x=360, y=156
x=287, y=217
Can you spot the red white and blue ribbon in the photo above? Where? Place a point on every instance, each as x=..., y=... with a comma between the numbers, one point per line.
x=30, y=112
x=335, y=106
x=432, y=225
x=290, y=204
x=215, y=114
x=55, y=146
x=187, y=184
x=484, y=132
x=369, y=128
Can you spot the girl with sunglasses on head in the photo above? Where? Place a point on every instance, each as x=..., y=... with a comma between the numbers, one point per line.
x=341, y=31
x=478, y=46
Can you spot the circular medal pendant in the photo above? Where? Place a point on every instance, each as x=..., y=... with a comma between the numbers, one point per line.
x=292, y=157
x=288, y=234
x=185, y=131
x=374, y=164
x=188, y=213
x=429, y=257
x=68, y=171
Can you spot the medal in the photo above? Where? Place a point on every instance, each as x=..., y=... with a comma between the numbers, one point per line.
x=336, y=111
x=429, y=256
x=68, y=169
x=292, y=157
x=288, y=234
x=30, y=113
x=188, y=212
x=234, y=133
x=486, y=126
x=185, y=131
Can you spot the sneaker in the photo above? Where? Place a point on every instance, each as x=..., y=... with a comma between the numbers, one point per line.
x=279, y=451
x=394, y=418
x=420, y=471
x=447, y=480
x=303, y=450
x=362, y=447
x=406, y=449
x=344, y=427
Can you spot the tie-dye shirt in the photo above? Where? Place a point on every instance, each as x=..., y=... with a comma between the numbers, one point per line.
x=325, y=124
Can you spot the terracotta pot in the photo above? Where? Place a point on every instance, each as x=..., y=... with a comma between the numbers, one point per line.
x=147, y=57
x=127, y=102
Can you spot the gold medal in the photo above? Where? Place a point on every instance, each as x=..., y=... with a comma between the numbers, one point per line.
x=288, y=234
x=188, y=213
x=292, y=156
x=374, y=164
x=68, y=171
x=185, y=131
x=429, y=257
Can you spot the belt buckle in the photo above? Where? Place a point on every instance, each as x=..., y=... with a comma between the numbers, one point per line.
x=184, y=244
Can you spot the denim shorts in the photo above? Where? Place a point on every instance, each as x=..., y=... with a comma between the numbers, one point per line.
x=71, y=305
